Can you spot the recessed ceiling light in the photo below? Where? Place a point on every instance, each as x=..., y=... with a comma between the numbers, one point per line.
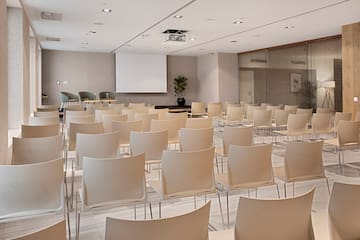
x=233, y=41
x=107, y=10
x=289, y=27
x=192, y=39
x=237, y=22
x=178, y=16
x=98, y=23
x=92, y=32
x=84, y=43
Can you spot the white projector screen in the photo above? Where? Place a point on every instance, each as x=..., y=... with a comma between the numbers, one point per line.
x=141, y=73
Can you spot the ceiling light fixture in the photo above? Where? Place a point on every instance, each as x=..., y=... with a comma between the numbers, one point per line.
x=98, y=23
x=84, y=43
x=178, y=16
x=107, y=10
x=289, y=27
x=237, y=22
x=92, y=32
x=192, y=39
x=233, y=41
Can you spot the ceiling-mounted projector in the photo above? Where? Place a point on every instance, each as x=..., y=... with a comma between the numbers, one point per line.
x=175, y=37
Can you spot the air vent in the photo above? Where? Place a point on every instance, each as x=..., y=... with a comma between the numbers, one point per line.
x=174, y=31
x=53, y=39
x=258, y=60
x=51, y=16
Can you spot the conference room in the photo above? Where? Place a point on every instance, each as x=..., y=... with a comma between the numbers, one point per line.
x=182, y=119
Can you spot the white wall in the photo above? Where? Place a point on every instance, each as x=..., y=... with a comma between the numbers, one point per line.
x=228, y=77
x=95, y=72
x=76, y=71
x=208, y=77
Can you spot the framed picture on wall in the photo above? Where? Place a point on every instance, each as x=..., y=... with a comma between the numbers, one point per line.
x=295, y=82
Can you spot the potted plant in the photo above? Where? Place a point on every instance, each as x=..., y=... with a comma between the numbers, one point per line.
x=180, y=83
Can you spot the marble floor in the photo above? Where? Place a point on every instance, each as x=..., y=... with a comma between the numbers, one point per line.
x=93, y=222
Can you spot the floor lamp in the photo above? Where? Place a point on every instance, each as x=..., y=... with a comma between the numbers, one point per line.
x=328, y=100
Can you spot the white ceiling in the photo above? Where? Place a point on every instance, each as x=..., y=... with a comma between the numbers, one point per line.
x=210, y=22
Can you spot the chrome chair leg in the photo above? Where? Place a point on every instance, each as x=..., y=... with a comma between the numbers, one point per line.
x=277, y=189
x=227, y=208
x=221, y=211
x=328, y=185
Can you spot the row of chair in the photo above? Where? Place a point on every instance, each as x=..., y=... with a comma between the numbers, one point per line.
x=256, y=219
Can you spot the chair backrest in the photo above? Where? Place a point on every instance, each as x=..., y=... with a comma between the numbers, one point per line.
x=100, y=112
x=174, y=228
x=196, y=139
x=214, y=109
x=197, y=108
x=107, y=120
x=130, y=113
x=262, y=118
x=162, y=113
x=46, y=114
x=47, y=108
x=182, y=117
x=56, y=231
x=323, y=110
x=281, y=117
x=76, y=113
x=240, y=136
x=250, y=112
x=85, y=95
x=348, y=132
x=28, y=131
x=75, y=128
x=197, y=123
x=235, y=113
x=346, y=116
x=150, y=143
x=250, y=166
x=135, y=105
x=113, y=180
x=273, y=108
x=31, y=189
x=91, y=107
x=146, y=120
x=107, y=95
x=307, y=111
x=36, y=121
x=260, y=219
x=186, y=174
x=139, y=107
x=297, y=124
x=291, y=108
x=172, y=126
x=321, y=123
x=117, y=107
x=36, y=150
x=102, y=145
x=303, y=160
x=125, y=128
x=74, y=107
x=229, y=104
x=344, y=211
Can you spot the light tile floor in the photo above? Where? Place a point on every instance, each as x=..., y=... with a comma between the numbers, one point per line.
x=93, y=222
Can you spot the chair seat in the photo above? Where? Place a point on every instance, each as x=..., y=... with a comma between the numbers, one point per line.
x=335, y=142
x=222, y=235
x=223, y=180
x=219, y=151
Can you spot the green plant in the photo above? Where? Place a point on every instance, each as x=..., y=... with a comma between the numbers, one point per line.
x=180, y=83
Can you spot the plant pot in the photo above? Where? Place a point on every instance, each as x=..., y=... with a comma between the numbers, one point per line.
x=181, y=101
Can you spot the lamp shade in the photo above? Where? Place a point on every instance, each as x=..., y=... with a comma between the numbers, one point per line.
x=326, y=84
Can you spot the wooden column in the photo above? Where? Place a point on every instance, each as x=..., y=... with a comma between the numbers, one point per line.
x=351, y=67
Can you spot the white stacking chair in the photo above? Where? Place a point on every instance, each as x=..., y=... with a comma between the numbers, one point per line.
x=76, y=128
x=100, y=112
x=161, y=112
x=273, y=108
x=36, y=121
x=124, y=128
x=198, y=123
x=36, y=150
x=185, y=174
x=197, y=108
x=344, y=211
x=28, y=131
x=303, y=161
x=175, y=228
x=291, y=108
x=248, y=167
x=116, y=107
x=214, y=109
x=56, y=231
x=345, y=116
x=40, y=191
x=151, y=143
x=46, y=114
x=107, y=120
x=146, y=120
x=101, y=145
x=111, y=182
x=234, y=114
x=195, y=139
x=47, y=108
x=250, y=112
x=130, y=114
x=171, y=125
x=321, y=123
